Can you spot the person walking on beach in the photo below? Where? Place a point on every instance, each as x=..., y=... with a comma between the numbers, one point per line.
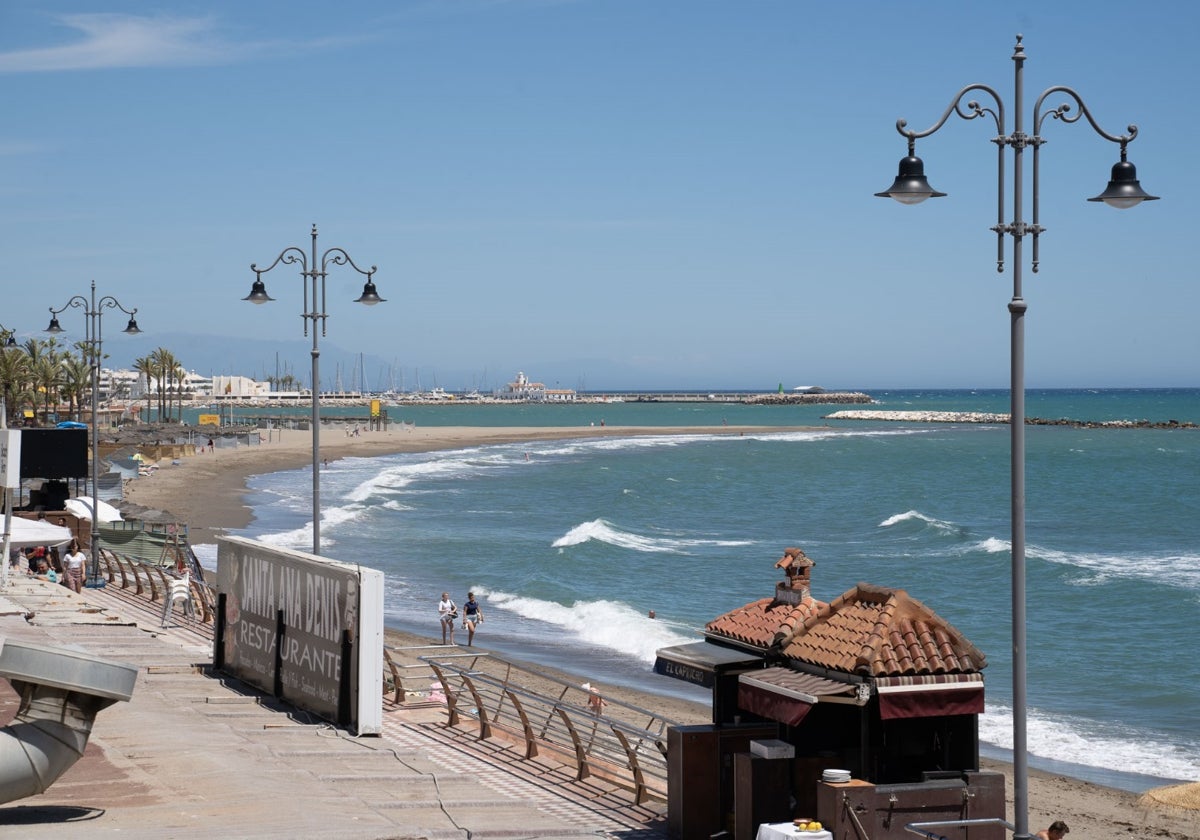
x=1055, y=832
x=595, y=702
x=447, y=613
x=73, y=566
x=472, y=617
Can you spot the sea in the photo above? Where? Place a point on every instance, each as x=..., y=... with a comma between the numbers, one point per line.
x=570, y=544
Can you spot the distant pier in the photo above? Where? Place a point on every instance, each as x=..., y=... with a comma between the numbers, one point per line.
x=982, y=417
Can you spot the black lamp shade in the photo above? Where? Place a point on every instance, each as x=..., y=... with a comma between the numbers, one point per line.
x=369, y=296
x=910, y=186
x=132, y=328
x=258, y=293
x=54, y=327
x=1124, y=191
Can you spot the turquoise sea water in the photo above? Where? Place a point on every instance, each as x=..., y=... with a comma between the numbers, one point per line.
x=571, y=543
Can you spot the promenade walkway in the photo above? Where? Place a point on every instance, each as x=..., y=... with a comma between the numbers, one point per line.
x=194, y=755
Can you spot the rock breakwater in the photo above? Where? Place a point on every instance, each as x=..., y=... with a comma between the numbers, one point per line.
x=832, y=398
x=984, y=417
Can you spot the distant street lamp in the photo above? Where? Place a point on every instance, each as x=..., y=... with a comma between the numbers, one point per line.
x=93, y=342
x=314, y=281
x=1123, y=191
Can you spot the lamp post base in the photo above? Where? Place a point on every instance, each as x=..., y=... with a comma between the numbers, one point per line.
x=95, y=583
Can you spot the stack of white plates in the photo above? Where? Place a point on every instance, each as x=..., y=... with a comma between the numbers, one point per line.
x=835, y=776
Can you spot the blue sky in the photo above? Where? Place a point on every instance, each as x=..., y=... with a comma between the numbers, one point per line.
x=602, y=193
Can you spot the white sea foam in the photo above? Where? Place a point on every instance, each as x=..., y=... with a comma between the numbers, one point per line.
x=1112, y=746
x=938, y=525
x=606, y=624
x=601, y=530
x=1178, y=570
x=439, y=465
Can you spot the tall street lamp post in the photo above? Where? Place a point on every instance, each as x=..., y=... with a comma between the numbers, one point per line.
x=313, y=273
x=1123, y=191
x=93, y=311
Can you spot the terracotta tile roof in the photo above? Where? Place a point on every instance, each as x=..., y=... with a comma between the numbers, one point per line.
x=878, y=631
x=868, y=631
x=765, y=623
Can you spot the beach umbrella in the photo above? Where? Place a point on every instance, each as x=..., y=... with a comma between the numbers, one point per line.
x=82, y=507
x=27, y=532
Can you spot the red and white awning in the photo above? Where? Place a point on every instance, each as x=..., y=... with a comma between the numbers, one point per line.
x=784, y=695
x=930, y=695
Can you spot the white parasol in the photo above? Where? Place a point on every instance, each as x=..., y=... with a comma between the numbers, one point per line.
x=27, y=532
x=82, y=507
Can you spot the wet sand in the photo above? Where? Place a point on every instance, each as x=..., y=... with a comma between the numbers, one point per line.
x=208, y=491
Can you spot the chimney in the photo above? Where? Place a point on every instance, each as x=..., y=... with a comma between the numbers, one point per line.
x=797, y=570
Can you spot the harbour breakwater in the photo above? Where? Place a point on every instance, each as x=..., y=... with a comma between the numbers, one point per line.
x=983, y=417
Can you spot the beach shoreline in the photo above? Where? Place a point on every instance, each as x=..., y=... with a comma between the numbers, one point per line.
x=208, y=491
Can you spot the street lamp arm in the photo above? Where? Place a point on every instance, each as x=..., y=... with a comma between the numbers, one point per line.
x=1063, y=112
x=288, y=256
x=337, y=256
x=77, y=302
x=970, y=111
x=110, y=302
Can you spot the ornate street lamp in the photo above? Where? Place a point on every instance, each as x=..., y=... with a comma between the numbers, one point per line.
x=93, y=343
x=1123, y=191
x=313, y=273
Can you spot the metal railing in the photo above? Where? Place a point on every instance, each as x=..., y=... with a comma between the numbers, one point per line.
x=154, y=584
x=624, y=744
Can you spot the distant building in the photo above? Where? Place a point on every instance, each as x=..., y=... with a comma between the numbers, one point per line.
x=522, y=389
x=238, y=388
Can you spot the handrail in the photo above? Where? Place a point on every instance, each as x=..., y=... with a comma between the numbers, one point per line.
x=619, y=743
x=919, y=827
x=153, y=583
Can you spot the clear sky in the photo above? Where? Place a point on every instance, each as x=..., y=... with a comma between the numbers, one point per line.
x=602, y=193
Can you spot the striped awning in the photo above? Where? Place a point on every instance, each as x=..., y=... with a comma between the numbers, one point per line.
x=930, y=695
x=784, y=695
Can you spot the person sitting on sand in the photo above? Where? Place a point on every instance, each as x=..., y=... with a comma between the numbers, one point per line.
x=1055, y=832
x=472, y=617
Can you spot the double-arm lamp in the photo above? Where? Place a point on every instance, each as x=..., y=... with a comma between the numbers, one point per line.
x=313, y=272
x=93, y=341
x=1123, y=191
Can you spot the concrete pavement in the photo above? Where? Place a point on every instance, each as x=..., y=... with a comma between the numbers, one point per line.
x=197, y=756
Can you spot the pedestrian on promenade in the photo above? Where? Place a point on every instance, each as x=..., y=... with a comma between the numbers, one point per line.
x=73, y=566
x=472, y=617
x=447, y=614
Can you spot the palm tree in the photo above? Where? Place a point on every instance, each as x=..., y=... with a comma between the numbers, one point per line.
x=76, y=383
x=14, y=380
x=45, y=375
x=145, y=366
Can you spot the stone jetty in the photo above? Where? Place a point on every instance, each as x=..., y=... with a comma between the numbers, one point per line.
x=821, y=398
x=984, y=417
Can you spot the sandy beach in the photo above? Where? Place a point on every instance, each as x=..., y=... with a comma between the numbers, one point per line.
x=208, y=492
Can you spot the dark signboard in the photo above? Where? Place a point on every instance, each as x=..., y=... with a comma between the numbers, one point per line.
x=54, y=453
x=287, y=618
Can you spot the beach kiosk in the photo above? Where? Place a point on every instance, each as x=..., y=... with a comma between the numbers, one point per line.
x=871, y=700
